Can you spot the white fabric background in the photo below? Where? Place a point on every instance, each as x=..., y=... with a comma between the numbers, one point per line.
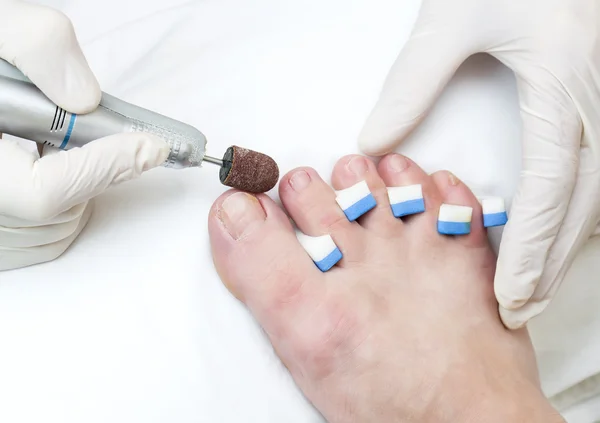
x=133, y=324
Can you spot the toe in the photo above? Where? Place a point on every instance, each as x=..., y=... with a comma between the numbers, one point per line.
x=460, y=213
x=311, y=204
x=259, y=259
x=372, y=211
x=413, y=195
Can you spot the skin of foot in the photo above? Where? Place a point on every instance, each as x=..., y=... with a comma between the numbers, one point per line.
x=405, y=328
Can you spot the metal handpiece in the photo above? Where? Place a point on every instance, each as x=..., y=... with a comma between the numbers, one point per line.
x=26, y=112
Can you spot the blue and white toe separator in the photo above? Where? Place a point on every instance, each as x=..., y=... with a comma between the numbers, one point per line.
x=356, y=200
x=406, y=200
x=454, y=220
x=494, y=212
x=321, y=249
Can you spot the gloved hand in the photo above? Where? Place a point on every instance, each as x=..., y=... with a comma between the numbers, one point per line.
x=44, y=202
x=554, y=49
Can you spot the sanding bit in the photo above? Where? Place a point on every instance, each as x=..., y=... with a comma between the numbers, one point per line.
x=25, y=112
x=246, y=170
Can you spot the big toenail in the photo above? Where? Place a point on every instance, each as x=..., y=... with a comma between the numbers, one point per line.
x=300, y=180
x=241, y=213
x=398, y=163
x=358, y=166
x=454, y=181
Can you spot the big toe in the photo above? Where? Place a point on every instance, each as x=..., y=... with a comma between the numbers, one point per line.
x=260, y=260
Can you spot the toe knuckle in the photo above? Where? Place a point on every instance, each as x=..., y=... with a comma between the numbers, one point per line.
x=332, y=221
x=287, y=290
x=325, y=341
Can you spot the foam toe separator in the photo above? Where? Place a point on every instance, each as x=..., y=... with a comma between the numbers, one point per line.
x=356, y=200
x=454, y=220
x=494, y=212
x=406, y=200
x=321, y=249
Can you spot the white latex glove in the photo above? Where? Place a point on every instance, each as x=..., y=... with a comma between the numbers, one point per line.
x=44, y=202
x=553, y=46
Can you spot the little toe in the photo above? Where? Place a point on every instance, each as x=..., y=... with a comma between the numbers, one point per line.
x=311, y=204
x=460, y=214
x=363, y=194
x=261, y=262
x=413, y=195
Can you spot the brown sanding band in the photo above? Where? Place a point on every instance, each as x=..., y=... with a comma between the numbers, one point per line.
x=248, y=170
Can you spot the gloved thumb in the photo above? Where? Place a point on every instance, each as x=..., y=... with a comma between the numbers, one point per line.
x=57, y=182
x=427, y=62
x=50, y=55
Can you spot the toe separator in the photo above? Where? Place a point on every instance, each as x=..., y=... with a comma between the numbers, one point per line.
x=494, y=212
x=356, y=200
x=407, y=200
x=455, y=220
x=321, y=249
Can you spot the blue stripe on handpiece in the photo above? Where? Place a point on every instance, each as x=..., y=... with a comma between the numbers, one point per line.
x=69, y=132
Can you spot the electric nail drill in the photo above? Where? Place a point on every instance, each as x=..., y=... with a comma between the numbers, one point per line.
x=25, y=112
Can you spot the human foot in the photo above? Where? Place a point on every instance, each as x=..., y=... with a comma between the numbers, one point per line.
x=405, y=327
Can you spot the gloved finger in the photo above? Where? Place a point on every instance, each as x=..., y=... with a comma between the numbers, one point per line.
x=46, y=187
x=39, y=147
x=22, y=257
x=17, y=233
x=50, y=55
x=47, y=150
x=580, y=222
x=551, y=147
x=433, y=53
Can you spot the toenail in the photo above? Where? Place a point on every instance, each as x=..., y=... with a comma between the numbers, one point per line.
x=240, y=213
x=300, y=180
x=398, y=163
x=358, y=166
x=454, y=181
